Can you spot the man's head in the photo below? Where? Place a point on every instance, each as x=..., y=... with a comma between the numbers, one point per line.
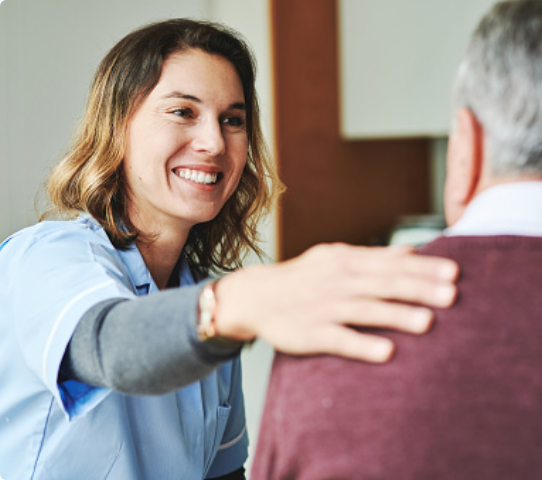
x=497, y=130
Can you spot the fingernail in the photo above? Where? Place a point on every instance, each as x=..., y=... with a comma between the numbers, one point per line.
x=384, y=350
x=445, y=294
x=447, y=271
x=421, y=320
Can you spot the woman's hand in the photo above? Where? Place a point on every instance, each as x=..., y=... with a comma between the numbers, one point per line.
x=304, y=305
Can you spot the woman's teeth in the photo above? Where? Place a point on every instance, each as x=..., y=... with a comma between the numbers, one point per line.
x=197, y=176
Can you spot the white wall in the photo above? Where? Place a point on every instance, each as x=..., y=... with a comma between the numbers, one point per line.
x=398, y=62
x=48, y=53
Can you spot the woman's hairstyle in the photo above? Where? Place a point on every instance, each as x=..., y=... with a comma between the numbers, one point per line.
x=500, y=80
x=90, y=177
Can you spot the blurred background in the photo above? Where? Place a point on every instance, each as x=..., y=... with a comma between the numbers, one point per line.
x=355, y=100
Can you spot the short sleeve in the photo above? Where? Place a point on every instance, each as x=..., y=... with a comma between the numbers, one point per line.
x=56, y=275
x=233, y=449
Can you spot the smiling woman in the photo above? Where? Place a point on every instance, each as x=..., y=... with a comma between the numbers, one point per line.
x=178, y=70
x=119, y=357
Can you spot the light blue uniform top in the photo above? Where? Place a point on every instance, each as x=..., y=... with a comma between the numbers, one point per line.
x=50, y=275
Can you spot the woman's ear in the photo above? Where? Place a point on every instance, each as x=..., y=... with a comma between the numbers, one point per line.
x=463, y=164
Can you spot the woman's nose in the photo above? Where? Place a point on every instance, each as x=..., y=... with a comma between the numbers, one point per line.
x=209, y=138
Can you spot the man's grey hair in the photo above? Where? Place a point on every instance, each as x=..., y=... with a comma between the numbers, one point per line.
x=500, y=81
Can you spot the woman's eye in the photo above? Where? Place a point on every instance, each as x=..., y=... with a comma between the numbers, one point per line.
x=183, y=112
x=234, y=122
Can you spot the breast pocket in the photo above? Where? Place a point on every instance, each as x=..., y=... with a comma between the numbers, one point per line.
x=222, y=416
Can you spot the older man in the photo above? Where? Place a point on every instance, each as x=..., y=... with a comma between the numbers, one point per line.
x=465, y=401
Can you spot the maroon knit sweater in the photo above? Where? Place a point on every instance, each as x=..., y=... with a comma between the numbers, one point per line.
x=462, y=402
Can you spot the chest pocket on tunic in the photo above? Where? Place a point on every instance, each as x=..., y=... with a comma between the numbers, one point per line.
x=223, y=414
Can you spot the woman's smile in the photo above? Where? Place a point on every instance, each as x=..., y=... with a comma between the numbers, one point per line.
x=197, y=176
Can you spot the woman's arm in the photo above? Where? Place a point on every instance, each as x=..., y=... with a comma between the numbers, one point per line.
x=303, y=306
x=142, y=346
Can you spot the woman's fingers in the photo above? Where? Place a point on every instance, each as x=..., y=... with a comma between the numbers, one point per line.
x=388, y=273
x=346, y=342
x=406, y=288
x=426, y=266
x=386, y=261
x=381, y=314
x=382, y=260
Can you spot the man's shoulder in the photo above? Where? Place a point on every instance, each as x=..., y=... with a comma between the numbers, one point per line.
x=453, y=246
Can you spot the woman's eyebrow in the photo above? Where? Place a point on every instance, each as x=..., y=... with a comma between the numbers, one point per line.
x=183, y=96
x=186, y=96
x=237, y=106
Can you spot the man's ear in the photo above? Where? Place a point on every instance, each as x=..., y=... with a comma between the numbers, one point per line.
x=463, y=164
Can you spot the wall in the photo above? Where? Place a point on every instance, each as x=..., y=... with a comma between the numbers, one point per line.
x=406, y=90
x=48, y=53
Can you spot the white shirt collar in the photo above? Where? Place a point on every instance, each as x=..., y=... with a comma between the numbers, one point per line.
x=507, y=209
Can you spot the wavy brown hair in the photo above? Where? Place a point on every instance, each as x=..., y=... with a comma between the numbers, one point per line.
x=90, y=178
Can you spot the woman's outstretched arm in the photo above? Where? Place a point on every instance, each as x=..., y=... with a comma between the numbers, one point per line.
x=147, y=345
x=303, y=306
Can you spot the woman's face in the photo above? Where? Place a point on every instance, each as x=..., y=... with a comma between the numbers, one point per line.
x=186, y=144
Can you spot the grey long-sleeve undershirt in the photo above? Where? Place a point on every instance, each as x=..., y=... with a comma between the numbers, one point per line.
x=143, y=346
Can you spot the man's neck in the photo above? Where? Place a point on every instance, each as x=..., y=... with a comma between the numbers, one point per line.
x=505, y=208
